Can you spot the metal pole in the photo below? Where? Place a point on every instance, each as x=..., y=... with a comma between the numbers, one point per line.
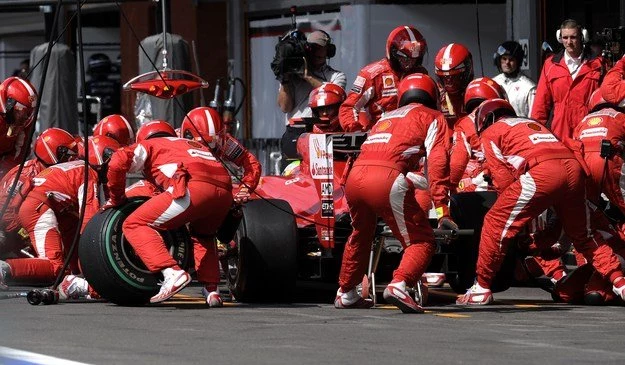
x=164, y=52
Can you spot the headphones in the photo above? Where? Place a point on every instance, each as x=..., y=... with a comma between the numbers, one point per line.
x=9, y=118
x=575, y=24
x=329, y=45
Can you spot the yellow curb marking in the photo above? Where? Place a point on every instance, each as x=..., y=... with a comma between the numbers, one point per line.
x=452, y=315
x=527, y=306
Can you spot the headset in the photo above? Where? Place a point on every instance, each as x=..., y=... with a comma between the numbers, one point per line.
x=329, y=45
x=9, y=105
x=582, y=30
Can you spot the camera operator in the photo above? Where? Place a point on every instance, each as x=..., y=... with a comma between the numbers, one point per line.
x=295, y=87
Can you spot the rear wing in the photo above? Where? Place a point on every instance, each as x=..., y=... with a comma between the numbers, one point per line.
x=346, y=144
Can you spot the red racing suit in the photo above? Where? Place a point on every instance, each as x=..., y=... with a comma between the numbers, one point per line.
x=245, y=159
x=612, y=87
x=12, y=146
x=49, y=214
x=229, y=150
x=466, y=161
x=567, y=97
x=16, y=238
x=9, y=221
x=377, y=187
x=605, y=175
x=195, y=188
x=374, y=93
x=532, y=171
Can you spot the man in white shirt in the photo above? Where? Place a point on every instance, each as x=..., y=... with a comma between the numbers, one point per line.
x=520, y=88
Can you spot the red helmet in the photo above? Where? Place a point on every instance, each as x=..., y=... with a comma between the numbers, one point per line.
x=155, y=128
x=597, y=102
x=405, y=48
x=325, y=101
x=80, y=144
x=489, y=111
x=116, y=127
x=202, y=124
x=480, y=89
x=101, y=148
x=18, y=99
x=453, y=65
x=55, y=145
x=418, y=88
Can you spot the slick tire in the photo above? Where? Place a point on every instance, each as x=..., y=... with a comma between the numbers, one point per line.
x=111, y=266
x=264, y=267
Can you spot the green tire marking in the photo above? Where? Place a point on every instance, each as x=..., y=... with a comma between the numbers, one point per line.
x=109, y=254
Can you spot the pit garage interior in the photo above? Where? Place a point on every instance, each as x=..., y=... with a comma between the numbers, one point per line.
x=235, y=40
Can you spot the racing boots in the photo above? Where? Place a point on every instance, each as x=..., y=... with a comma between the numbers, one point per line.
x=351, y=300
x=433, y=279
x=618, y=287
x=397, y=295
x=174, y=280
x=213, y=299
x=476, y=295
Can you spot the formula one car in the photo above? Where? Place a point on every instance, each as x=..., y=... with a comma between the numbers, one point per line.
x=295, y=228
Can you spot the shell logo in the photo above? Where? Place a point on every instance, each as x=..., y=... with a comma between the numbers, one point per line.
x=388, y=81
x=383, y=125
x=195, y=144
x=594, y=121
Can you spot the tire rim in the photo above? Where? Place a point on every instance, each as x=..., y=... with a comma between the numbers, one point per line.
x=232, y=272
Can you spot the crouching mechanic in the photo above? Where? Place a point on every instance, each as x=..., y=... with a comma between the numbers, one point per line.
x=205, y=125
x=378, y=186
x=532, y=170
x=53, y=146
x=49, y=215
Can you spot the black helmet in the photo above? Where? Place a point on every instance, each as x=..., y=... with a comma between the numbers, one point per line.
x=99, y=63
x=510, y=48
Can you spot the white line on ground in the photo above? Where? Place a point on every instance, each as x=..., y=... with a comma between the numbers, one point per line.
x=34, y=358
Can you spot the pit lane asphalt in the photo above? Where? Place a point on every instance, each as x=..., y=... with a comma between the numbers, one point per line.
x=523, y=327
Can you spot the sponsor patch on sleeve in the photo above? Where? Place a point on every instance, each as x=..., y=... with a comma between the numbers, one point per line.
x=358, y=84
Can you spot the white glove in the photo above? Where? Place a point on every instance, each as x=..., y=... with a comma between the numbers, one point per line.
x=417, y=181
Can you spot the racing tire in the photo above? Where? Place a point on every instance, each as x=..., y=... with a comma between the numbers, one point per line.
x=111, y=266
x=264, y=267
